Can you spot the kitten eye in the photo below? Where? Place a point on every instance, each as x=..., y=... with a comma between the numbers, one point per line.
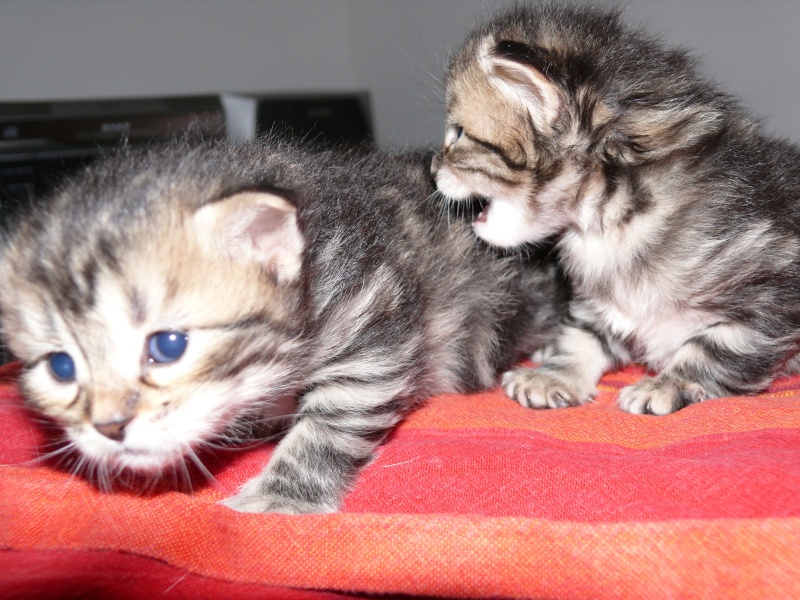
x=454, y=133
x=62, y=367
x=166, y=346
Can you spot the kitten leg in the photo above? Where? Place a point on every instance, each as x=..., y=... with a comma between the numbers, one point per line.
x=317, y=461
x=724, y=359
x=568, y=377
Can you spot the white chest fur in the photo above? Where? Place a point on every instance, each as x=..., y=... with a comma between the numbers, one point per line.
x=651, y=310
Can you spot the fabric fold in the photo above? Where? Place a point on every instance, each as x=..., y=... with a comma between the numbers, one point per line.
x=472, y=497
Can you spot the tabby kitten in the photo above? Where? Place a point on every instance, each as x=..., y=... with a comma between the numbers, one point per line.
x=171, y=296
x=678, y=216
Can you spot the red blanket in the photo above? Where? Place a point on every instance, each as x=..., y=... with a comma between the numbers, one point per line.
x=473, y=496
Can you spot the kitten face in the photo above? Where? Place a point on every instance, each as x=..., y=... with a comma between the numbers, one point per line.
x=500, y=145
x=145, y=367
x=547, y=104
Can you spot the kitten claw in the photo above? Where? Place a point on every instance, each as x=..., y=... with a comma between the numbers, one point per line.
x=660, y=396
x=536, y=388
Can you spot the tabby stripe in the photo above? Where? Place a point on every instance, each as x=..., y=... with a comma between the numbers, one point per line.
x=233, y=360
x=253, y=321
x=494, y=176
x=595, y=333
x=318, y=467
x=509, y=162
x=723, y=371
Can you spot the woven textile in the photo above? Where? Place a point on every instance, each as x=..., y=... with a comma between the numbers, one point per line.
x=472, y=496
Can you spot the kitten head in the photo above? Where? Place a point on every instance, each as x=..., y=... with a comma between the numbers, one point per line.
x=152, y=301
x=544, y=101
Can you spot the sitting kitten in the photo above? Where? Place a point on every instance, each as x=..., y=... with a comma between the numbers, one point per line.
x=170, y=296
x=678, y=217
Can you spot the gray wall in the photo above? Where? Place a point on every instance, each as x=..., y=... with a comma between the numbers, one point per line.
x=56, y=49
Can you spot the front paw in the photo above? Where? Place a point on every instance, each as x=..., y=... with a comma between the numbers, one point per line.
x=660, y=396
x=544, y=388
x=253, y=498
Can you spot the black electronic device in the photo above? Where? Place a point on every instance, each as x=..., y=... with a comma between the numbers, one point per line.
x=43, y=141
x=40, y=142
x=322, y=119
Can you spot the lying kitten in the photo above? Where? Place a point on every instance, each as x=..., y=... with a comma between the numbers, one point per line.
x=171, y=296
x=679, y=218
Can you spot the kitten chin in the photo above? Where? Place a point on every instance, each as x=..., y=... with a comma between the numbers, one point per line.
x=677, y=216
x=196, y=294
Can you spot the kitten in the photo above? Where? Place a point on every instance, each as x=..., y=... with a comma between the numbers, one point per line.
x=171, y=296
x=678, y=216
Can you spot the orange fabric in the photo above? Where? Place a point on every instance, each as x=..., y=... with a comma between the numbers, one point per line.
x=473, y=496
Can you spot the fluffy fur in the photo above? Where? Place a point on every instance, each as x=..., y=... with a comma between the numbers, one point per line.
x=322, y=288
x=678, y=217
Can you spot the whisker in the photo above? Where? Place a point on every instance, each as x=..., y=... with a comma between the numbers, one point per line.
x=174, y=472
x=78, y=468
x=58, y=452
x=185, y=476
x=236, y=445
x=151, y=482
x=190, y=453
x=103, y=477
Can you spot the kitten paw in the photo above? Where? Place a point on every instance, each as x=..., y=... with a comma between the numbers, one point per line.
x=273, y=504
x=252, y=498
x=660, y=396
x=539, y=388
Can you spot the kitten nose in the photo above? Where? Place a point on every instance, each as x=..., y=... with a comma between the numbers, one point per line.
x=113, y=429
x=112, y=410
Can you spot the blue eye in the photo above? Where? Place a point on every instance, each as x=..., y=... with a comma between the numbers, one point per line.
x=459, y=132
x=167, y=346
x=62, y=366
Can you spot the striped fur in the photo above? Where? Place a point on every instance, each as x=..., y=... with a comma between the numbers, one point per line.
x=677, y=217
x=322, y=289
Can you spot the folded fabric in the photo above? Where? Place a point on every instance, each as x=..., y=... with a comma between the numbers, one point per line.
x=472, y=496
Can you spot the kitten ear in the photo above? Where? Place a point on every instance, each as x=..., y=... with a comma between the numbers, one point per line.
x=255, y=226
x=650, y=133
x=516, y=74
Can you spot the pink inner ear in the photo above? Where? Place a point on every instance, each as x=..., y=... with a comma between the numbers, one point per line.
x=527, y=78
x=541, y=95
x=256, y=227
x=265, y=221
x=269, y=228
